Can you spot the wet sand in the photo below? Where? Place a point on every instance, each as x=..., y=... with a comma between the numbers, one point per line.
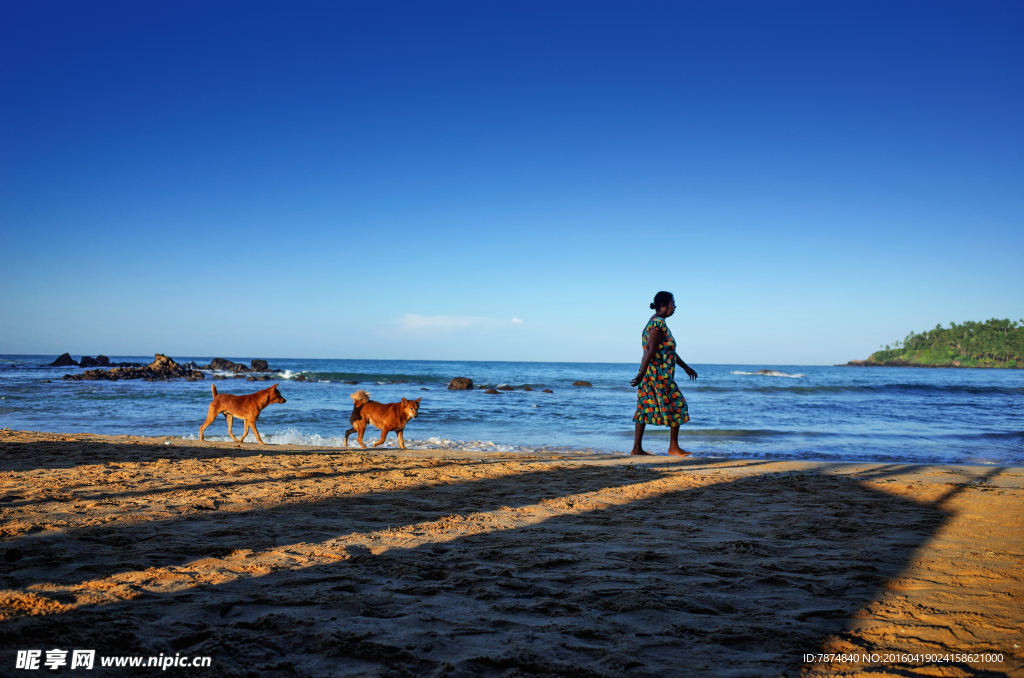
x=298, y=561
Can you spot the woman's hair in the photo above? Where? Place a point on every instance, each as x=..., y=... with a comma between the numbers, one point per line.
x=661, y=299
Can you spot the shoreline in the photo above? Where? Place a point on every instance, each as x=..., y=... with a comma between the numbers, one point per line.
x=865, y=363
x=371, y=562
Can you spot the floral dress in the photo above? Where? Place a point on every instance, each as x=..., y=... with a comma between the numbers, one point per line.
x=658, y=400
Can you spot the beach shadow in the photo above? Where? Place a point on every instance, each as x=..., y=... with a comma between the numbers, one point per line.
x=732, y=578
x=201, y=530
x=53, y=455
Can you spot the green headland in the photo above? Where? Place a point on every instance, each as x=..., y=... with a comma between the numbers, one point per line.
x=993, y=343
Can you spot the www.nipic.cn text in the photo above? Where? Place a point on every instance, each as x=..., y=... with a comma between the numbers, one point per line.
x=86, y=659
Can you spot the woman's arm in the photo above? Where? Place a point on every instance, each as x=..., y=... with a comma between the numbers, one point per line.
x=690, y=372
x=654, y=340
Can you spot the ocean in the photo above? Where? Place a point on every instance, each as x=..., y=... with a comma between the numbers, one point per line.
x=840, y=414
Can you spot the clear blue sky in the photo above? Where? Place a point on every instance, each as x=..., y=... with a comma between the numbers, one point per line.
x=401, y=180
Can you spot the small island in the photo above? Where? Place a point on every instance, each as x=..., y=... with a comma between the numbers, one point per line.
x=993, y=343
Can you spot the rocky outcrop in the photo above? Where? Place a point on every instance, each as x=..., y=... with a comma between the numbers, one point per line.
x=492, y=391
x=505, y=387
x=86, y=361
x=102, y=361
x=581, y=383
x=224, y=365
x=161, y=369
x=64, y=361
x=547, y=390
x=460, y=384
x=221, y=364
x=527, y=388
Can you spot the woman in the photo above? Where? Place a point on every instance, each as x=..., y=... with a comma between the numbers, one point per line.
x=658, y=400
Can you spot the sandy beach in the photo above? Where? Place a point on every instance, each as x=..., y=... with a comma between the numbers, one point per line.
x=312, y=561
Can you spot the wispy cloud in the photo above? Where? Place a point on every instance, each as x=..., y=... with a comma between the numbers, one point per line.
x=444, y=323
x=440, y=322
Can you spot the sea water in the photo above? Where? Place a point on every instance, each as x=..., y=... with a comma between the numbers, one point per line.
x=894, y=414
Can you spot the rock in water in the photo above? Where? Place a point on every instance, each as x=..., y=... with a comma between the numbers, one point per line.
x=63, y=361
x=162, y=368
x=102, y=361
x=259, y=365
x=547, y=390
x=581, y=383
x=491, y=390
x=505, y=387
x=86, y=361
x=460, y=384
x=226, y=365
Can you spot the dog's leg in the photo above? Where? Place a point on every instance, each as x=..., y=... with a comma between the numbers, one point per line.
x=383, y=434
x=347, y=434
x=231, y=426
x=245, y=430
x=401, y=438
x=258, y=439
x=361, y=429
x=210, y=416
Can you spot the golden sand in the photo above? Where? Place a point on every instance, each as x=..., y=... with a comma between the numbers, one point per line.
x=300, y=561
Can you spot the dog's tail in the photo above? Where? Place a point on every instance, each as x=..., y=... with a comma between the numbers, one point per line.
x=359, y=398
x=213, y=387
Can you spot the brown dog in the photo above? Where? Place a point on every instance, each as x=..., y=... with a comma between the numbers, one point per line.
x=245, y=407
x=387, y=417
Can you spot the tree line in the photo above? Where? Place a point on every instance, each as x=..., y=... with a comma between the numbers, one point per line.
x=992, y=343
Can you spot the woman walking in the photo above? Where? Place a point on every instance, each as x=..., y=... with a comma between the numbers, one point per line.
x=658, y=400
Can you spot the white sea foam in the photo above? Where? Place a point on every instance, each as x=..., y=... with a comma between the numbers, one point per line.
x=769, y=373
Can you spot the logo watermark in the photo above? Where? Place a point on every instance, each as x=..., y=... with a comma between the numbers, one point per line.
x=31, y=660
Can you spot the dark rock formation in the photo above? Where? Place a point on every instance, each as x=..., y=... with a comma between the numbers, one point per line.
x=63, y=361
x=265, y=377
x=259, y=365
x=460, y=384
x=102, y=361
x=226, y=366
x=86, y=361
x=301, y=377
x=527, y=388
x=505, y=387
x=547, y=390
x=581, y=383
x=162, y=368
x=491, y=390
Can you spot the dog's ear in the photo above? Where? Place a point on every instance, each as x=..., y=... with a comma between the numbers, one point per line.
x=404, y=401
x=419, y=399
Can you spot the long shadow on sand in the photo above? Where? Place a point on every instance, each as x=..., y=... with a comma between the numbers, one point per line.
x=734, y=578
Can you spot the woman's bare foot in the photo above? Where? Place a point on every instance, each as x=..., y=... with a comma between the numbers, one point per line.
x=641, y=452
x=678, y=452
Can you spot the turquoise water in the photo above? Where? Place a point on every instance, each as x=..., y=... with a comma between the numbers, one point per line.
x=820, y=413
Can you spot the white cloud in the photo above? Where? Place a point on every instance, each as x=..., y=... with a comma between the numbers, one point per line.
x=447, y=323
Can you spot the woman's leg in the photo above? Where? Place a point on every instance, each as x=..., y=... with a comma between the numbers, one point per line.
x=673, y=445
x=638, y=438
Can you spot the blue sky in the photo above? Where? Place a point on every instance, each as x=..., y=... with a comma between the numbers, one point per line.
x=402, y=180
